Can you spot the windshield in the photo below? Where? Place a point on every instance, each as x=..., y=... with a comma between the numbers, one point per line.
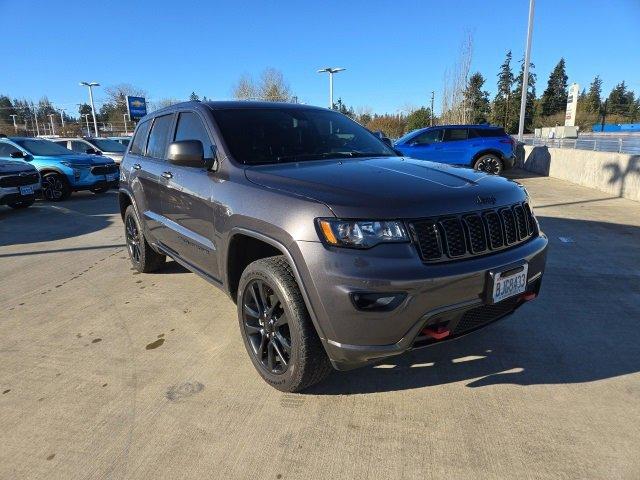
x=43, y=147
x=270, y=135
x=107, y=145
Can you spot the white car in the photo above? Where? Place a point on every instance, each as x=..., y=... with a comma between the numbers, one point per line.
x=95, y=146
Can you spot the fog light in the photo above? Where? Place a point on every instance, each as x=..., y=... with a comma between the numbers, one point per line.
x=377, y=302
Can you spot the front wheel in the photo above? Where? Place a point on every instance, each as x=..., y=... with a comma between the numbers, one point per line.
x=55, y=187
x=143, y=258
x=275, y=325
x=489, y=163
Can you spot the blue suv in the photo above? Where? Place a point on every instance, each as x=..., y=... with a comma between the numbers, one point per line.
x=62, y=170
x=483, y=147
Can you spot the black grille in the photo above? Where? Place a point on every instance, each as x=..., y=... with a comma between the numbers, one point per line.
x=475, y=233
x=479, y=316
x=453, y=237
x=17, y=180
x=472, y=234
x=104, y=169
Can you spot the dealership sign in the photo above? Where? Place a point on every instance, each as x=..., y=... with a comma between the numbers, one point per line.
x=572, y=105
x=136, y=107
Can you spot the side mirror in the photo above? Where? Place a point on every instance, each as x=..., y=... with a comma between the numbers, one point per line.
x=17, y=154
x=186, y=153
x=387, y=141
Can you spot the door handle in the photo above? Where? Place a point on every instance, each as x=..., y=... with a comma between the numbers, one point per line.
x=136, y=166
x=167, y=174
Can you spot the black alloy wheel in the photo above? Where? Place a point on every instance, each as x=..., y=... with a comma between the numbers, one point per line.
x=266, y=327
x=489, y=164
x=55, y=187
x=132, y=235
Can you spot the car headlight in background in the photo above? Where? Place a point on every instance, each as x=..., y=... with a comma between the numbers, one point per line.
x=361, y=233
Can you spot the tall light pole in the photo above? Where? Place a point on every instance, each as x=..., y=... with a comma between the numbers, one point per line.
x=124, y=116
x=525, y=79
x=86, y=119
x=15, y=127
x=62, y=116
x=432, y=95
x=53, y=130
x=331, y=71
x=90, y=86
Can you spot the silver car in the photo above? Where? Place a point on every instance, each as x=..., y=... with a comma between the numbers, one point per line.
x=95, y=146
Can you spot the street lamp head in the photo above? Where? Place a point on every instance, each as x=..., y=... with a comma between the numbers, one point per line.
x=89, y=84
x=331, y=70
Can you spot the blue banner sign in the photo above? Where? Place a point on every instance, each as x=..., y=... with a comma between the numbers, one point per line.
x=137, y=107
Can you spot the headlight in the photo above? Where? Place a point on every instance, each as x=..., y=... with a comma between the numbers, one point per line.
x=360, y=233
x=67, y=164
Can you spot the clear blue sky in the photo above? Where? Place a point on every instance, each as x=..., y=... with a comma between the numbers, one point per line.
x=395, y=51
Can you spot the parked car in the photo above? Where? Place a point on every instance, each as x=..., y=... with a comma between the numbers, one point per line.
x=482, y=147
x=94, y=146
x=121, y=140
x=62, y=171
x=19, y=181
x=336, y=250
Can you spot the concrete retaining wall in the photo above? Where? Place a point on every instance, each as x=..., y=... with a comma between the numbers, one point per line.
x=617, y=174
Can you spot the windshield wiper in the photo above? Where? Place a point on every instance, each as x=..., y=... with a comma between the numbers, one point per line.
x=319, y=156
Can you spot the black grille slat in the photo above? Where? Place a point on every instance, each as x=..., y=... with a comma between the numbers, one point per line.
x=453, y=236
x=472, y=234
x=104, y=169
x=494, y=228
x=428, y=238
x=479, y=316
x=509, y=223
x=17, y=180
x=521, y=222
x=475, y=233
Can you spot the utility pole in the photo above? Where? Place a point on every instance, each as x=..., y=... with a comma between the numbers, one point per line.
x=432, y=96
x=53, y=130
x=15, y=127
x=90, y=85
x=525, y=79
x=86, y=118
x=124, y=116
x=62, y=116
x=37, y=125
x=331, y=71
x=604, y=114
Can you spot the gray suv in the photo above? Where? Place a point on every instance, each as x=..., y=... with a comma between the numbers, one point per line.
x=337, y=250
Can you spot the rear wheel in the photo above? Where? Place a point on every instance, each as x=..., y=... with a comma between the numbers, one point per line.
x=55, y=187
x=489, y=163
x=22, y=204
x=277, y=331
x=143, y=258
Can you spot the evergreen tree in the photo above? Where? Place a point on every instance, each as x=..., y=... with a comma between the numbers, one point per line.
x=419, y=118
x=593, y=100
x=194, y=96
x=477, y=100
x=516, y=96
x=342, y=108
x=621, y=101
x=554, y=98
x=501, y=103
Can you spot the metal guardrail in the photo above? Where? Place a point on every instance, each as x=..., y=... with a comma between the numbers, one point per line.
x=630, y=145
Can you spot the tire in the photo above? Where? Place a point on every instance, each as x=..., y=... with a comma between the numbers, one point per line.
x=143, y=258
x=100, y=190
x=55, y=187
x=489, y=163
x=22, y=204
x=285, y=334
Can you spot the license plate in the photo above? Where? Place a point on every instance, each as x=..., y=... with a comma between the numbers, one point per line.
x=509, y=283
x=111, y=177
x=28, y=190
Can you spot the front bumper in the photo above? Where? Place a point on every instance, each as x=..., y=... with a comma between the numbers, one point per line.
x=436, y=294
x=12, y=194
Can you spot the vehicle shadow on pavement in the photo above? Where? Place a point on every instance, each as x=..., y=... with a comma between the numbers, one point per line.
x=582, y=328
x=45, y=221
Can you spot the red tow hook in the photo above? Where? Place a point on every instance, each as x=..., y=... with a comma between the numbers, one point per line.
x=437, y=333
x=527, y=297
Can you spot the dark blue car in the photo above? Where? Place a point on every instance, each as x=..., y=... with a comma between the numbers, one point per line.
x=483, y=147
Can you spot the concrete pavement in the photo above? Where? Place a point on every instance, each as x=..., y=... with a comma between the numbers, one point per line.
x=108, y=374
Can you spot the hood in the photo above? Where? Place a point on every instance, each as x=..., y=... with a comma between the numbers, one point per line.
x=79, y=159
x=389, y=187
x=115, y=157
x=11, y=166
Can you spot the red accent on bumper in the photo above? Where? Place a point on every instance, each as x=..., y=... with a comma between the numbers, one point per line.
x=528, y=296
x=438, y=333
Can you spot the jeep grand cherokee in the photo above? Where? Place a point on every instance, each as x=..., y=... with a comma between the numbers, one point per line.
x=337, y=251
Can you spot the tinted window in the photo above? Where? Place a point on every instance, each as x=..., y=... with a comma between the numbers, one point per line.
x=7, y=149
x=159, y=136
x=430, y=136
x=43, y=147
x=107, y=145
x=190, y=127
x=455, y=134
x=276, y=135
x=140, y=140
x=490, y=132
x=78, y=146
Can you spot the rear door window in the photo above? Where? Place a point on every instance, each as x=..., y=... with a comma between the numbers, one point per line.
x=159, y=136
x=428, y=137
x=78, y=146
x=140, y=140
x=490, y=132
x=455, y=134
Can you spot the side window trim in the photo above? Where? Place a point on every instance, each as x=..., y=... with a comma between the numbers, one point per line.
x=172, y=127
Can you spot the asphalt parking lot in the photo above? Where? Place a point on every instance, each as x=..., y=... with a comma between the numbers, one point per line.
x=109, y=374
